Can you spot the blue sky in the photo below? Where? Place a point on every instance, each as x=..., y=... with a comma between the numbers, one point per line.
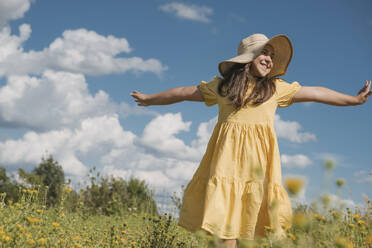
x=67, y=69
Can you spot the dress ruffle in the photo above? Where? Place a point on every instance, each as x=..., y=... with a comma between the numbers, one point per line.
x=226, y=200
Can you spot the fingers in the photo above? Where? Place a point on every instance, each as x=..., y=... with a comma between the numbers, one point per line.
x=367, y=85
x=365, y=88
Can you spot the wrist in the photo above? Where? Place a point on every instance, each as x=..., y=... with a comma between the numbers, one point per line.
x=356, y=100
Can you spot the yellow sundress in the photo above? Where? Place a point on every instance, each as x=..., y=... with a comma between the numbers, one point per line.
x=237, y=188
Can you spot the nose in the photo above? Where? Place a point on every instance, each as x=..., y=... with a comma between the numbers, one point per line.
x=268, y=58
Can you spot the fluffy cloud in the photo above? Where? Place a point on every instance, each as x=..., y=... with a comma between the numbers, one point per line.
x=13, y=9
x=53, y=101
x=337, y=202
x=190, y=12
x=118, y=152
x=159, y=136
x=295, y=161
x=69, y=146
x=77, y=51
x=12, y=44
x=291, y=130
x=363, y=176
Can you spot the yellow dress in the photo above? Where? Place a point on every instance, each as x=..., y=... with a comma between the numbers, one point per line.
x=237, y=188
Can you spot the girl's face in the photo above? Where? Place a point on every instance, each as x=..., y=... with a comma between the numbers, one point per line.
x=262, y=64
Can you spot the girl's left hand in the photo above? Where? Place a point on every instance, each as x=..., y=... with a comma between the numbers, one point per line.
x=364, y=93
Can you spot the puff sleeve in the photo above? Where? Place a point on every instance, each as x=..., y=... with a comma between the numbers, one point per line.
x=285, y=92
x=210, y=91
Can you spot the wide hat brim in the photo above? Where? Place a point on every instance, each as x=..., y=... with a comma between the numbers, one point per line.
x=283, y=51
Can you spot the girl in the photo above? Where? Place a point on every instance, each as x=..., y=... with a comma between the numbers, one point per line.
x=237, y=189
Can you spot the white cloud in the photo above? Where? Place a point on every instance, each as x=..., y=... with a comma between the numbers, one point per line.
x=77, y=51
x=159, y=151
x=291, y=130
x=13, y=9
x=117, y=153
x=363, y=176
x=190, y=12
x=337, y=202
x=159, y=136
x=204, y=133
x=53, y=101
x=12, y=44
x=70, y=147
x=295, y=161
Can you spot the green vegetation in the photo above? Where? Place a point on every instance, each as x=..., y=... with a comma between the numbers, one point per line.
x=45, y=212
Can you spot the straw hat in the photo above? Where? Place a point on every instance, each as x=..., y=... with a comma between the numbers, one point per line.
x=250, y=47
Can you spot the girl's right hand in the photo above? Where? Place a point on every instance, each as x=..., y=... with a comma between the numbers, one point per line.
x=140, y=98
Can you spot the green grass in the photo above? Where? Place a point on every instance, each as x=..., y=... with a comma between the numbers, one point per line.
x=29, y=223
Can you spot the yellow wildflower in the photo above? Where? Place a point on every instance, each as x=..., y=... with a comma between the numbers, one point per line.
x=2, y=234
x=31, y=241
x=284, y=226
x=341, y=242
x=335, y=215
x=326, y=200
x=356, y=217
x=340, y=182
x=361, y=222
x=55, y=224
x=42, y=240
x=133, y=242
x=294, y=185
x=329, y=165
x=33, y=220
x=124, y=231
x=78, y=245
x=68, y=190
x=351, y=225
x=291, y=236
x=300, y=220
x=39, y=211
x=6, y=238
x=318, y=216
x=123, y=240
x=76, y=238
x=28, y=235
x=268, y=228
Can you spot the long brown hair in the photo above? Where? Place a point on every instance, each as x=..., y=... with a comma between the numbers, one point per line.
x=236, y=83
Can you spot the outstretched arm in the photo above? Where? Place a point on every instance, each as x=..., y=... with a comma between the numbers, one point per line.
x=331, y=97
x=190, y=93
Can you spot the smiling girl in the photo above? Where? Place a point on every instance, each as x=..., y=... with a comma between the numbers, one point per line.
x=237, y=189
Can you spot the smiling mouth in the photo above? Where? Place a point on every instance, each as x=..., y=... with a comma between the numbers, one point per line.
x=264, y=65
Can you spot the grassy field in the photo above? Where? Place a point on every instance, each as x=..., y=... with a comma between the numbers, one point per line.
x=29, y=223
